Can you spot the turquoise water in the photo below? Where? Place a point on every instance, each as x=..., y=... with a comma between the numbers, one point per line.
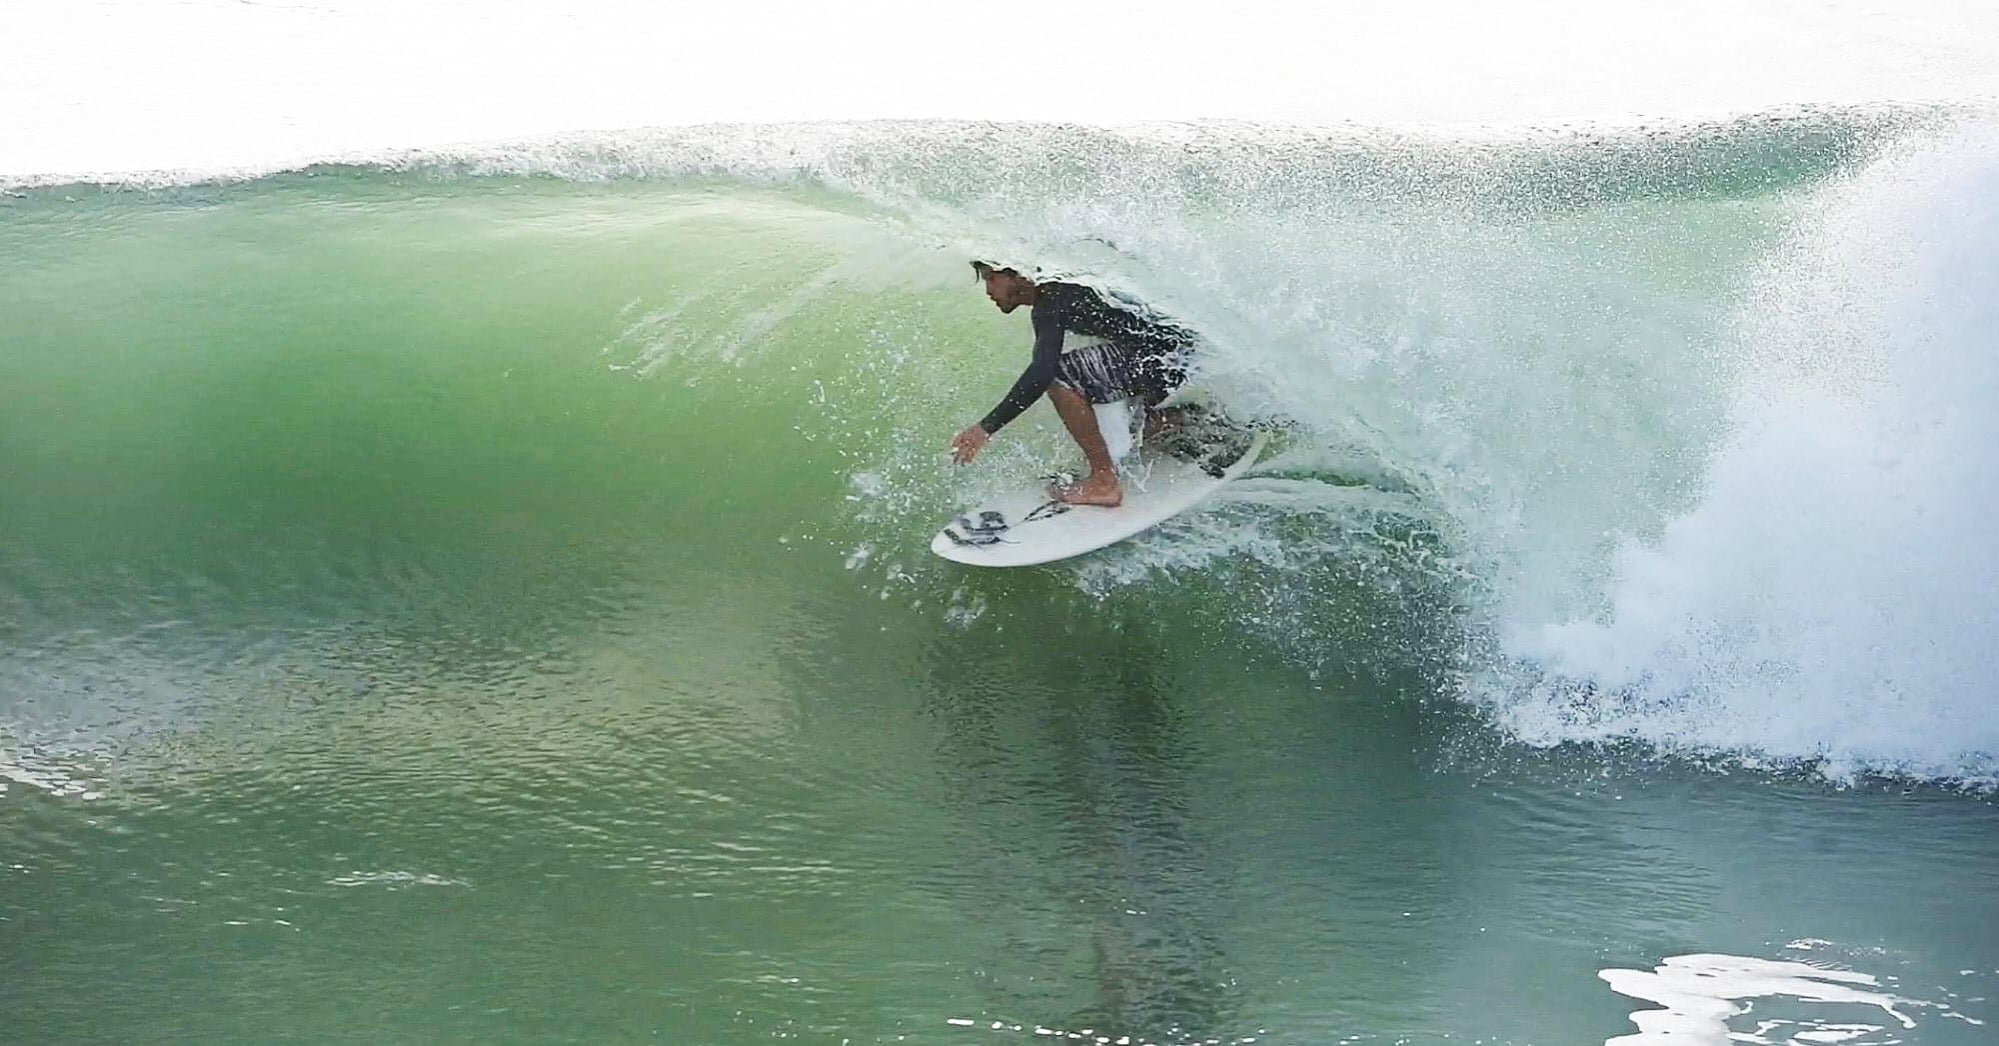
x=484, y=598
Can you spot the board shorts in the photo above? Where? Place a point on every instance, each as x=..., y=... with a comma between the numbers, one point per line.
x=1104, y=372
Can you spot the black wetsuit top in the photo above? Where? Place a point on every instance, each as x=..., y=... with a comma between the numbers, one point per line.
x=1060, y=307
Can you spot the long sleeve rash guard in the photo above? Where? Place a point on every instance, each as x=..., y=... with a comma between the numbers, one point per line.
x=1063, y=307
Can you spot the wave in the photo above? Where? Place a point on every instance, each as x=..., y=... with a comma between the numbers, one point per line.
x=1669, y=435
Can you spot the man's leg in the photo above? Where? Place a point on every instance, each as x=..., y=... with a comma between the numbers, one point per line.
x=1154, y=379
x=1101, y=486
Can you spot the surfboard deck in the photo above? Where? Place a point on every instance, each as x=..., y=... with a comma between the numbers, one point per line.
x=1028, y=528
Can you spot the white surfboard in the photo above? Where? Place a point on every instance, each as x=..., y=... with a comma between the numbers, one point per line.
x=1028, y=528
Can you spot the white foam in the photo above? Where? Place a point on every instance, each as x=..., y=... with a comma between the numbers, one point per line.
x=1699, y=994
x=1833, y=596
x=46, y=775
x=394, y=880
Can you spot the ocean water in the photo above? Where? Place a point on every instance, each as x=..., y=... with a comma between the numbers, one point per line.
x=480, y=592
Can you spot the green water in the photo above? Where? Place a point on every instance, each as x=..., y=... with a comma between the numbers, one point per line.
x=467, y=611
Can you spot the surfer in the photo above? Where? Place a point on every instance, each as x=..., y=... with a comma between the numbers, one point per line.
x=1120, y=354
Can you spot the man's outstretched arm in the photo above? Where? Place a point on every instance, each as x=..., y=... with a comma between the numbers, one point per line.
x=1030, y=386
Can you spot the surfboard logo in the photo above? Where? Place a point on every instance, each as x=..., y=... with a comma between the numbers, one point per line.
x=986, y=530
x=990, y=527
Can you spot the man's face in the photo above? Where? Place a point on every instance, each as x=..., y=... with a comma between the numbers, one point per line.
x=1007, y=291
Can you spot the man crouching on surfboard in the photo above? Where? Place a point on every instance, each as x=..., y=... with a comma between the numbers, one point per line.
x=1119, y=354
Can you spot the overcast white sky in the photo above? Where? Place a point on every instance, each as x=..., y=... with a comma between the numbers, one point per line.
x=93, y=86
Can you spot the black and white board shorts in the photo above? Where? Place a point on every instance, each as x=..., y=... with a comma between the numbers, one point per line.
x=1106, y=373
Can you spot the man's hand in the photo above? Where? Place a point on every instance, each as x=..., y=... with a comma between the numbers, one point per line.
x=967, y=444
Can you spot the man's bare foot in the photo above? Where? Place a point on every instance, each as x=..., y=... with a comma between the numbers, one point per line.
x=1099, y=489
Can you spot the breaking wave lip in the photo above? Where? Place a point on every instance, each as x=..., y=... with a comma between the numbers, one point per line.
x=1574, y=163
